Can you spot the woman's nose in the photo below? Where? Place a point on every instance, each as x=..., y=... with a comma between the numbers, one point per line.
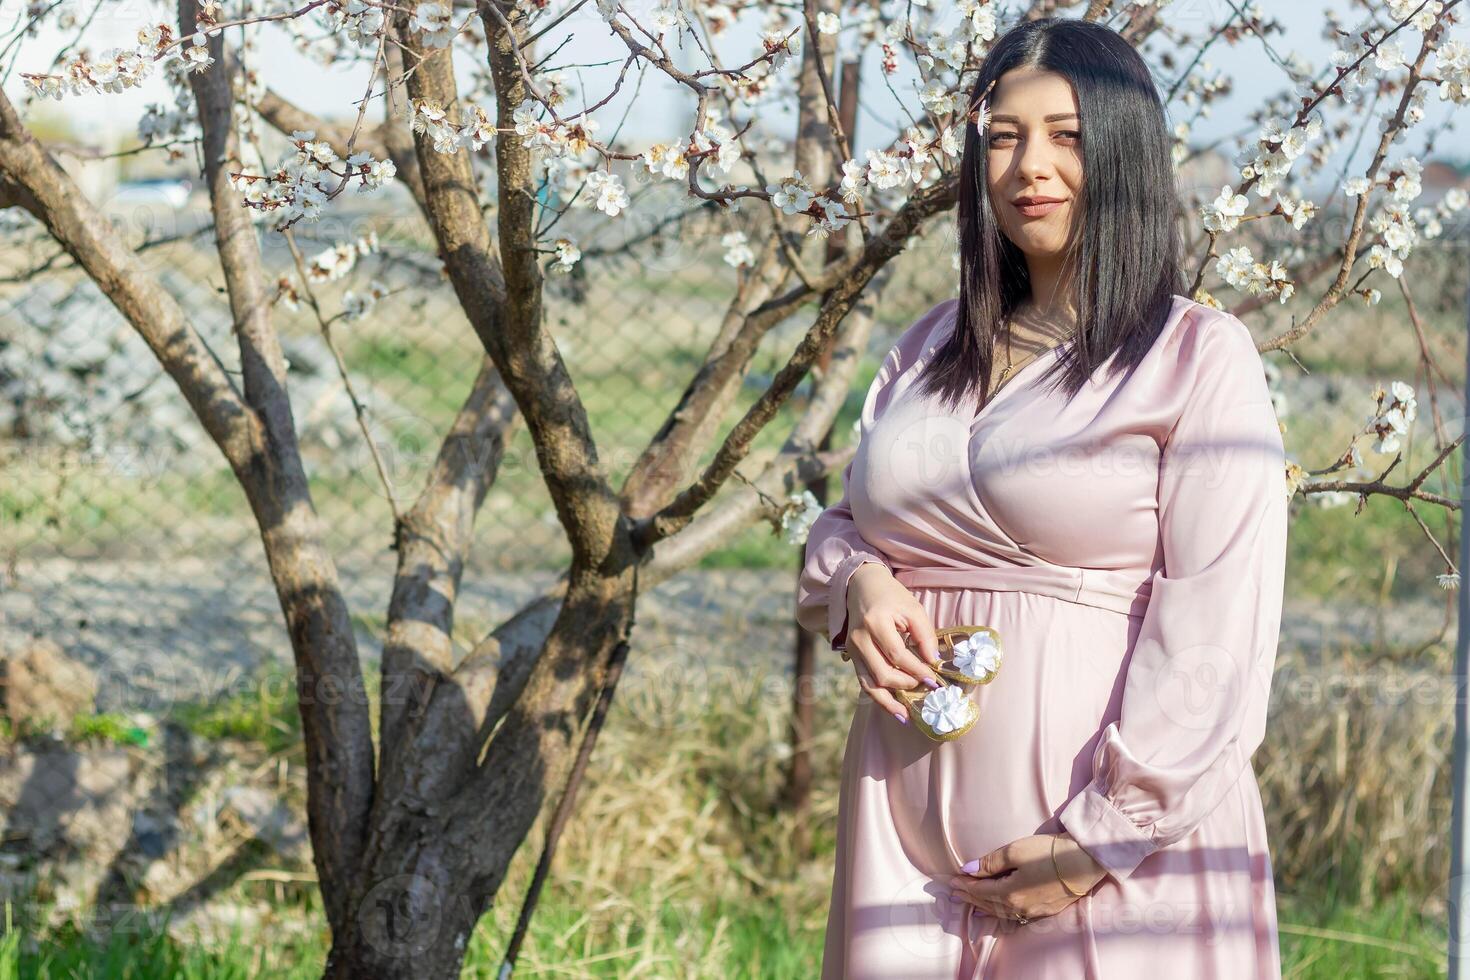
x=1034, y=161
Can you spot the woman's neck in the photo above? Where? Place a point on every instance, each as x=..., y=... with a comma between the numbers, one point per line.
x=1044, y=326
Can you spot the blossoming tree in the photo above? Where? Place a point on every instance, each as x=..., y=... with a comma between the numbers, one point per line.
x=412, y=841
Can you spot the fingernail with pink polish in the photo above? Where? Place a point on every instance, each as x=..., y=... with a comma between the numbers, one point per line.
x=971, y=866
x=934, y=684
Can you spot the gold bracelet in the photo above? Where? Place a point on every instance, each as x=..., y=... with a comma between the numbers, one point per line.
x=1058, y=870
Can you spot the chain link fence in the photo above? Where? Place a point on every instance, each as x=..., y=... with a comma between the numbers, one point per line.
x=127, y=540
x=127, y=546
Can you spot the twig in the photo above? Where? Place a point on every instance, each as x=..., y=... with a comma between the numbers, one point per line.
x=574, y=779
x=357, y=406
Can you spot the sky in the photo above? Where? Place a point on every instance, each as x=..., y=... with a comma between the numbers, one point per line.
x=664, y=109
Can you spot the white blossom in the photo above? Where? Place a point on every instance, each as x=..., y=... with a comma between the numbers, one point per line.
x=1239, y=268
x=980, y=16
x=1422, y=19
x=1380, y=257
x=355, y=306
x=1236, y=266
x=884, y=170
x=831, y=218
x=716, y=134
x=737, y=250
x=1407, y=185
x=781, y=47
x=196, y=56
x=335, y=262
x=1393, y=421
x=609, y=196
x=669, y=161
x=567, y=255
x=667, y=15
x=302, y=181
x=1296, y=210
x=524, y=118
x=800, y=513
x=1225, y=212
x=1278, y=145
x=1453, y=64
x=853, y=177
x=938, y=97
x=474, y=129
x=949, y=142
x=436, y=21
x=792, y=194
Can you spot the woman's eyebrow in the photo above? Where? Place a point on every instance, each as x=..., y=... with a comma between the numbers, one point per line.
x=1051, y=118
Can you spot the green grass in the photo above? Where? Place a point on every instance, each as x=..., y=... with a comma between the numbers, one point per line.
x=108, y=727
x=1321, y=941
x=263, y=711
x=103, y=726
x=686, y=939
x=1376, y=556
x=138, y=948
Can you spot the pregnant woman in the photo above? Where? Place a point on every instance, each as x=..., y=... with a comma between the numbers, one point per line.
x=1115, y=509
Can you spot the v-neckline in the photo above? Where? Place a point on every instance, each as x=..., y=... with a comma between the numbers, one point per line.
x=996, y=395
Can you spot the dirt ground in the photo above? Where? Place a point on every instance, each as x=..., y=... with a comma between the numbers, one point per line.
x=157, y=634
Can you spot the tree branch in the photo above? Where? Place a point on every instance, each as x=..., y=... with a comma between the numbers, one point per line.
x=337, y=730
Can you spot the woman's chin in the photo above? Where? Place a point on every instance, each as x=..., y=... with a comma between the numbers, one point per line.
x=1047, y=249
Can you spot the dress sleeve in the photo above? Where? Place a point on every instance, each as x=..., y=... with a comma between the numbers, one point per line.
x=834, y=548
x=1197, y=687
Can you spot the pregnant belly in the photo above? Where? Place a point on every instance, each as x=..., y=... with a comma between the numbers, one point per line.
x=1059, y=685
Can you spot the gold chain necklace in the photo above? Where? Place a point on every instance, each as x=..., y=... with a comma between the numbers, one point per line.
x=1005, y=371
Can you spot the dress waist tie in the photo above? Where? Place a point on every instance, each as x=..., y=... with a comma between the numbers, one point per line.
x=1105, y=588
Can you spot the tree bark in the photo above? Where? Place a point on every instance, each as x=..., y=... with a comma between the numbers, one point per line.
x=411, y=851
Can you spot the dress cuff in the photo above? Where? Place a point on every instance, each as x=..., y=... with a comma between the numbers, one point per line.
x=1105, y=832
x=837, y=595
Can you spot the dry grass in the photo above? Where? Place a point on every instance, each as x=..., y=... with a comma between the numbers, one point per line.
x=677, y=833
x=1355, y=773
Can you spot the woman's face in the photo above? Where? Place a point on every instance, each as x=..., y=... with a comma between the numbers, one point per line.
x=1034, y=149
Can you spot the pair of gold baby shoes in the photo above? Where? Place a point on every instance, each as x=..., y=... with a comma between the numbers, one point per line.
x=968, y=656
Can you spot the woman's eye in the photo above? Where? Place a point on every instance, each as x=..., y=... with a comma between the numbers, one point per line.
x=1070, y=133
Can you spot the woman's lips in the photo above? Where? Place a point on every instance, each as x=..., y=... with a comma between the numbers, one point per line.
x=1037, y=210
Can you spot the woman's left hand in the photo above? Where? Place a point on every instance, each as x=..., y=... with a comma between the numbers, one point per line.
x=1018, y=881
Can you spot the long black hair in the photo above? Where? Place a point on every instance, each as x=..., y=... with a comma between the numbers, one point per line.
x=1124, y=248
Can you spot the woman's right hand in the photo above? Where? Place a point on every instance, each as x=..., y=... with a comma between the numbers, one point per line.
x=879, y=610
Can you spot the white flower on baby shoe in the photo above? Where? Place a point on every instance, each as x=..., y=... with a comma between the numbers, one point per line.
x=945, y=709
x=977, y=655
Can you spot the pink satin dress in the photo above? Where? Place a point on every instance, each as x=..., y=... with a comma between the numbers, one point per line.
x=1129, y=544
